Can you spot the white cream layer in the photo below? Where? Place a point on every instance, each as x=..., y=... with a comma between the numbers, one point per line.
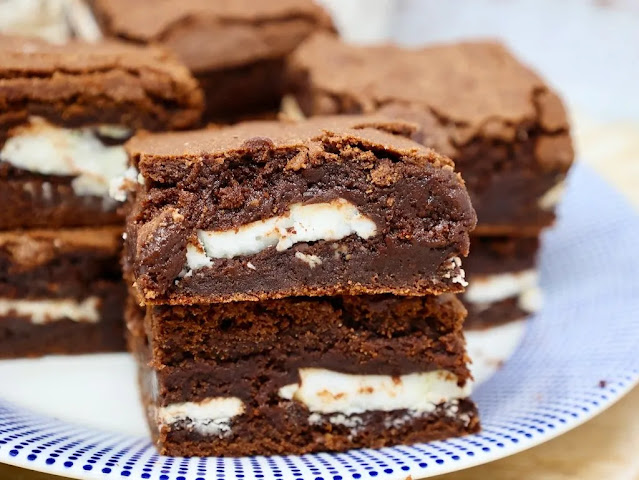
x=208, y=417
x=327, y=392
x=45, y=311
x=328, y=221
x=49, y=150
x=122, y=185
x=495, y=288
x=552, y=197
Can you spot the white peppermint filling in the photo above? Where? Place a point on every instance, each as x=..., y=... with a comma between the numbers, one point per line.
x=460, y=277
x=208, y=417
x=44, y=311
x=329, y=392
x=491, y=347
x=552, y=197
x=328, y=221
x=495, y=288
x=356, y=423
x=120, y=186
x=49, y=150
x=311, y=260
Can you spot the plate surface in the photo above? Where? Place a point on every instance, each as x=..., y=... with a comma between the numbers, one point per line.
x=577, y=357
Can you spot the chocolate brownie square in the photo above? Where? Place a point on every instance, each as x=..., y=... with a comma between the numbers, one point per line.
x=65, y=113
x=61, y=292
x=505, y=129
x=301, y=375
x=264, y=210
x=236, y=49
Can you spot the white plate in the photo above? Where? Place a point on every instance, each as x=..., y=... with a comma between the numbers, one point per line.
x=578, y=356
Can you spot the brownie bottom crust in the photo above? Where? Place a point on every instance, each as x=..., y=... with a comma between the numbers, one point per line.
x=302, y=375
x=289, y=428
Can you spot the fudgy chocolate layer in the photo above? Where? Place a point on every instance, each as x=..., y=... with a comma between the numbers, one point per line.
x=47, y=201
x=495, y=169
x=58, y=263
x=250, y=89
x=509, y=143
x=497, y=313
x=223, y=179
x=216, y=350
x=495, y=255
x=20, y=337
x=359, y=267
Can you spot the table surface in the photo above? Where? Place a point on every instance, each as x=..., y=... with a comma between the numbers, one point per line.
x=604, y=447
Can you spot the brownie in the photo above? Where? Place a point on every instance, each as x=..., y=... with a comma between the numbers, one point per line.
x=241, y=66
x=264, y=210
x=65, y=113
x=281, y=366
x=60, y=292
x=505, y=129
x=503, y=280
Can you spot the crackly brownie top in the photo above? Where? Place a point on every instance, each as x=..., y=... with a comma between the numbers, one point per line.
x=308, y=137
x=467, y=88
x=236, y=32
x=103, y=83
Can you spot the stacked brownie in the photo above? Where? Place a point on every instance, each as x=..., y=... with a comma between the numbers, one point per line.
x=291, y=287
x=65, y=113
x=236, y=49
x=506, y=131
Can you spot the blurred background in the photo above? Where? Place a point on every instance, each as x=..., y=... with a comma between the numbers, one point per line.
x=588, y=49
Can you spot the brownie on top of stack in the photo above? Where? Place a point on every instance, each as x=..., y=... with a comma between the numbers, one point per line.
x=295, y=285
x=504, y=128
x=66, y=113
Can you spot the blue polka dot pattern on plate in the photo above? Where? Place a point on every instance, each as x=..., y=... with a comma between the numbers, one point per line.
x=572, y=364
